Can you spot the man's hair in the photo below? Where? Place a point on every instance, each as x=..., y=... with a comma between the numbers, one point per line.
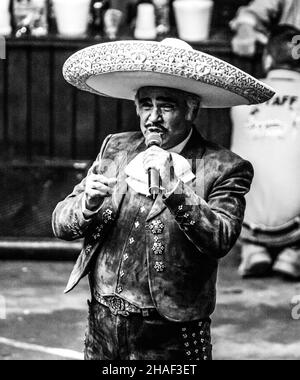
x=281, y=47
x=193, y=103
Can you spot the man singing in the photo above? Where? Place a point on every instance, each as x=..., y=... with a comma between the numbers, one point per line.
x=160, y=207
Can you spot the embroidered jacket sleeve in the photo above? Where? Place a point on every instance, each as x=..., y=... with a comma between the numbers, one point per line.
x=259, y=13
x=68, y=220
x=213, y=226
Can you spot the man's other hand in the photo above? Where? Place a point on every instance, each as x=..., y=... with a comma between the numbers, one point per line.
x=96, y=189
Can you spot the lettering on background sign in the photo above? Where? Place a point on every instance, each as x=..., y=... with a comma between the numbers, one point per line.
x=282, y=100
x=296, y=308
x=296, y=48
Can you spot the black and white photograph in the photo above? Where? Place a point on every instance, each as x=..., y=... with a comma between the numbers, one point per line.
x=149, y=183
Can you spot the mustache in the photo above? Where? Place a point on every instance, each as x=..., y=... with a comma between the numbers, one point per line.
x=155, y=127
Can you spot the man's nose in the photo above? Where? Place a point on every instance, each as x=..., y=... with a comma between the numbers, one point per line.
x=155, y=115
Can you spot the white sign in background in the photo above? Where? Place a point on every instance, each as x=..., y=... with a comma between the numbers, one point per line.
x=2, y=308
x=2, y=48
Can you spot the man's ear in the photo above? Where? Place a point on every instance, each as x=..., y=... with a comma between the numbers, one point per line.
x=193, y=105
x=267, y=62
x=190, y=114
x=137, y=108
x=136, y=102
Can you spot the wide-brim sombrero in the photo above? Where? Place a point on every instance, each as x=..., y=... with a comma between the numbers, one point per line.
x=118, y=69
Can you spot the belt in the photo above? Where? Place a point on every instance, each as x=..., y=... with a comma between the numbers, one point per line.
x=119, y=306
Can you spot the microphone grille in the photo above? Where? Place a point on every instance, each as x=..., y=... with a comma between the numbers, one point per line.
x=154, y=138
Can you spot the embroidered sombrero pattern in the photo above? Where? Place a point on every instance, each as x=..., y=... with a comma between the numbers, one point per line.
x=155, y=57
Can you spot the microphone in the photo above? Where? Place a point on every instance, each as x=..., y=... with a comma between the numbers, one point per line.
x=154, y=180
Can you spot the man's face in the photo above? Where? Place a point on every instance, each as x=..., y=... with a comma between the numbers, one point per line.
x=163, y=109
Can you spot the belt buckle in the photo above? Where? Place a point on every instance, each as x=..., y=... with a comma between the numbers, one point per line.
x=117, y=306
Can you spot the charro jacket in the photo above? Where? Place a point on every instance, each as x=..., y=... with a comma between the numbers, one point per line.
x=199, y=223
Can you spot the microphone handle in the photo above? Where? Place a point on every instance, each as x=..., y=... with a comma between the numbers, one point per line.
x=154, y=182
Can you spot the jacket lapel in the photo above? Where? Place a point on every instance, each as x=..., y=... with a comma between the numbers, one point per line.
x=193, y=151
x=157, y=208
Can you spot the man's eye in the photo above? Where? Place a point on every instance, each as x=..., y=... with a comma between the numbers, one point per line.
x=146, y=106
x=168, y=107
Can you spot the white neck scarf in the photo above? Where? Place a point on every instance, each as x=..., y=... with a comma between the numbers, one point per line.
x=138, y=180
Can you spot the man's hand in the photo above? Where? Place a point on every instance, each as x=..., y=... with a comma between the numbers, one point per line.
x=97, y=187
x=244, y=42
x=161, y=160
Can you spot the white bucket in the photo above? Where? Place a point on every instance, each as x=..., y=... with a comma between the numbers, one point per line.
x=72, y=16
x=193, y=19
x=145, y=22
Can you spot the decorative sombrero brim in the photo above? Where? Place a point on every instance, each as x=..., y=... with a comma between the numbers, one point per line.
x=118, y=69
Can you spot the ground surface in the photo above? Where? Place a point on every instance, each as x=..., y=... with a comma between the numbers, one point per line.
x=253, y=319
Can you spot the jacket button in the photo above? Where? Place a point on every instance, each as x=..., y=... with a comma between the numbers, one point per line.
x=107, y=216
x=159, y=266
x=99, y=228
x=157, y=227
x=158, y=248
x=88, y=249
x=119, y=289
x=96, y=235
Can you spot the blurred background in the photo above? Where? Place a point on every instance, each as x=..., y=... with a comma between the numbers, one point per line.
x=50, y=132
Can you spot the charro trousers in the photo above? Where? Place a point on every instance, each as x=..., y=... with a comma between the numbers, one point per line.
x=115, y=337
